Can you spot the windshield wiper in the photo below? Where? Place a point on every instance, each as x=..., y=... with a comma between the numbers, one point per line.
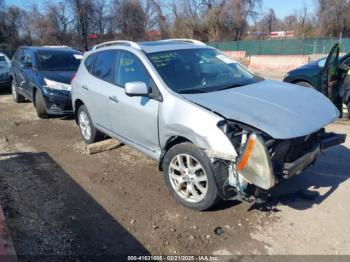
x=191, y=91
x=229, y=86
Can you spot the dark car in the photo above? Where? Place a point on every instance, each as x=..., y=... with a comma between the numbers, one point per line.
x=310, y=75
x=326, y=75
x=5, y=64
x=43, y=76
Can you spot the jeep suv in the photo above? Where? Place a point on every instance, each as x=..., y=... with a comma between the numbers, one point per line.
x=217, y=130
x=43, y=75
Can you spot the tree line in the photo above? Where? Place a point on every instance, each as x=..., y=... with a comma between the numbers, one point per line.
x=82, y=23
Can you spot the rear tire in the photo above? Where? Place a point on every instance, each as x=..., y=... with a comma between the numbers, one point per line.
x=18, y=98
x=193, y=185
x=87, y=130
x=40, y=105
x=303, y=83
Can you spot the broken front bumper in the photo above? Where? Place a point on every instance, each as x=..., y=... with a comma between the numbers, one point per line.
x=297, y=166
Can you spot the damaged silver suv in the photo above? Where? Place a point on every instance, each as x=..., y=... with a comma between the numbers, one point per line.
x=217, y=130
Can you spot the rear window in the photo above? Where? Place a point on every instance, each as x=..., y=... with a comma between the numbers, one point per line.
x=104, y=63
x=58, y=60
x=89, y=62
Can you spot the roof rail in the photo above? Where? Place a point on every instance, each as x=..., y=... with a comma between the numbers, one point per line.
x=56, y=46
x=188, y=40
x=118, y=42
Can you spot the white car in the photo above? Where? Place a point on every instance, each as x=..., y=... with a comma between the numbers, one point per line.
x=217, y=130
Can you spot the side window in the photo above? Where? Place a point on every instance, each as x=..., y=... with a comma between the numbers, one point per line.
x=103, y=66
x=89, y=61
x=131, y=69
x=28, y=56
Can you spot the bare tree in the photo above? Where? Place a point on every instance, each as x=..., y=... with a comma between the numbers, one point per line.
x=188, y=16
x=269, y=21
x=161, y=20
x=228, y=20
x=334, y=17
x=59, y=21
x=101, y=18
x=83, y=11
x=130, y=18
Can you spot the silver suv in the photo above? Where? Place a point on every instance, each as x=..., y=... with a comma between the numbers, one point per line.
x=217, y=130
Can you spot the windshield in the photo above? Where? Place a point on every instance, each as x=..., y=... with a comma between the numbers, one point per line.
x=58, y=60
x=199, y=70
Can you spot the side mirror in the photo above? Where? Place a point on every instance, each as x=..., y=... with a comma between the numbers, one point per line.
x=136, y=89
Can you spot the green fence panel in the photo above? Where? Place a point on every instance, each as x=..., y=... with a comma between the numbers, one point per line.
x=228, y=46
x=250, y=46
x=345, y=45
x=305, y=46
x=270, y=47
x=291, y=47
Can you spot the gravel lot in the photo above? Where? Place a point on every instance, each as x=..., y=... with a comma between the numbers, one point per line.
x=58, y=199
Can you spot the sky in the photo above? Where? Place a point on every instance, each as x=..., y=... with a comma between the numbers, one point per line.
x=282, y=7
x=285, y=7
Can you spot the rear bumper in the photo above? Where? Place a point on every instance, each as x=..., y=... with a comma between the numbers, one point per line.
x=297, y=166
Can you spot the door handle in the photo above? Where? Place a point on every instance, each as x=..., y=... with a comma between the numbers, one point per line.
x=114, y=99
x=85, y=87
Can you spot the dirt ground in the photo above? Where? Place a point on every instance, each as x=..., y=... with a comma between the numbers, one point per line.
x=59, y=200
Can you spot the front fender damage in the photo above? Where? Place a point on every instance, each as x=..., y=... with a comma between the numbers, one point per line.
x=243, y=173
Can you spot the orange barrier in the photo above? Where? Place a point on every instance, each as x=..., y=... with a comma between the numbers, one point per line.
x=235, y=54
x=277, y=62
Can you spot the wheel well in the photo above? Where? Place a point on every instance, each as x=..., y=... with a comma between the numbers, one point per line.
x=78, y=103
x=172, y=141
x=301, y=80
x=34, y=93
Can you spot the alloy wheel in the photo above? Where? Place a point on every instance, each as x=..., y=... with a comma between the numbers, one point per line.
x=14, y=92
x=188, y=178
x=85, y=126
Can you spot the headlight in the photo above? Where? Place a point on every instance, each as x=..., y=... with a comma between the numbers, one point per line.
x=57, y=85
x=255, y=165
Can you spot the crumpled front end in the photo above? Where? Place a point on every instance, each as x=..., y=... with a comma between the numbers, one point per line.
x=263, y=161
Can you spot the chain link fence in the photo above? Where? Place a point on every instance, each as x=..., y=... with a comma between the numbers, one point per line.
x=307, y=46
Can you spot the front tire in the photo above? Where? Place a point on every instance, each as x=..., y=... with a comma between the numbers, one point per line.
x=305, y=84
x=18, y=98
x=87, y=130
x=40, y=105
x=189, y=177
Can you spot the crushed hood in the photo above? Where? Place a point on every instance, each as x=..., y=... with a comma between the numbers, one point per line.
x=279, y=109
